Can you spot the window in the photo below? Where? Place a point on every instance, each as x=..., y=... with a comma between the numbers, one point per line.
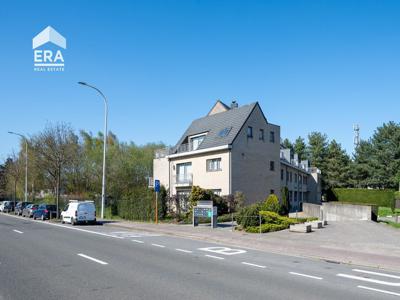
x=213, y=165
x=290, y=196
x=224, y=132
x=295, y=196
x=305, y=180
x=196, y=141
x=249, y=132
x=281, y=174
x=272, y=137
x=184, y=173
x=261, y=137
x=295, y=178
x=287, y=175
x=217, y=192
x=291, y=178
x=272, y=165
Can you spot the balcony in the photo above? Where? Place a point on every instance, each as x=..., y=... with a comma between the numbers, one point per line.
x=184, y=179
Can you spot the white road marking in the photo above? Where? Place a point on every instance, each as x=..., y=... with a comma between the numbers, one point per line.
x=216, y=257
x=127, y=234
x=137, y=241
x=158, y=245
x=183, y=250
x=253, y=265
x=69, y=227
x=368, y=279
x=93, y=259
x=305, y=275
x=17, y=231
x=223, y=250
x=378, y=290
x=376, y=273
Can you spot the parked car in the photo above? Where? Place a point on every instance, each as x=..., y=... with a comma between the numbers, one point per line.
x=8, y=206
x=20, y=207
x=2, y=206
x=45, y=211
x=79, y=212
x=29, y=210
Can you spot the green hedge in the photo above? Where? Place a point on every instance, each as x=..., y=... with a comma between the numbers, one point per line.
x=363, y=196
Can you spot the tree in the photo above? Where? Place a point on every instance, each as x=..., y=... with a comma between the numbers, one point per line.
x=317, y=149
x=14, y=172
x=300, y=147
x=3, y=182
x=386, y=155
x=361, y=171
x=56, y=148
x=287, y=144
x=337, y=166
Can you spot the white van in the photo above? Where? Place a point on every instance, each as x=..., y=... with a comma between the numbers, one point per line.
x=79, y=212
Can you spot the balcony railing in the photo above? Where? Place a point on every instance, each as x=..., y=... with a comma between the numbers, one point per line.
x=184, y=179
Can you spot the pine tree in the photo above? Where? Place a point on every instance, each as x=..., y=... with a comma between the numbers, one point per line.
x=300, y=147
x=337, y=166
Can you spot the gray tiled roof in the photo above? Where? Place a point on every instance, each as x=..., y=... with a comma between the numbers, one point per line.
x=213, y=124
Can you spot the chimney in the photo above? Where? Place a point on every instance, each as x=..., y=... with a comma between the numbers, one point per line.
x=234, y=104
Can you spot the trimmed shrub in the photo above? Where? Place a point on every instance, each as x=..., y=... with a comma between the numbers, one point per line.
x=227, y=217
x=249, y=216
x=271, y=204
x=363, y=196
x=266, y=228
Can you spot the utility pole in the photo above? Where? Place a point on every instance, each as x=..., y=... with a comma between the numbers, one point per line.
x=103, y=185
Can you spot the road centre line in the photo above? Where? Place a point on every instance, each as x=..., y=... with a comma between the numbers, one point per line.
x=369, y=279
x=253, y=265
x=376, y=273
x=137, y=241
x=378, y=290
x=183, y=250
x=212, y=256
x=17, y=231
x=158, y=245
x=93, y=259
x=305, y=275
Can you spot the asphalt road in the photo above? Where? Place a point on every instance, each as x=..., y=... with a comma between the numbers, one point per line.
x=39, y=260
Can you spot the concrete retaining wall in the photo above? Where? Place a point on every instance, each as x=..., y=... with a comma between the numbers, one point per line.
x=334, y=211
x=312, y=210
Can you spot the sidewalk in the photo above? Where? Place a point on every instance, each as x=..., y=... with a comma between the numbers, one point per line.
x=357, y=242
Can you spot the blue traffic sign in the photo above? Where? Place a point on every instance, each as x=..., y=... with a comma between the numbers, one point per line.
x=157, y=186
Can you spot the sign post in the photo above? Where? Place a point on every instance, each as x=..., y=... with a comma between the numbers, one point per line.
x=157, y=190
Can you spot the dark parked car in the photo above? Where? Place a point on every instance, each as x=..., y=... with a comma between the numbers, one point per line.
x=20, y=207
x=8, y=206
x=45, y=211
x=29, y=210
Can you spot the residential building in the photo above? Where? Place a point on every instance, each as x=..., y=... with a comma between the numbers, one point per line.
x=303, y=182
x=231, y=149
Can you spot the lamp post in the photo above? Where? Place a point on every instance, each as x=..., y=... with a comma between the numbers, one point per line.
x=103, y=186
x=26, y=162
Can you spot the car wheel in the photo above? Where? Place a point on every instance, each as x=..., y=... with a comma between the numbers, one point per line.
x=73, y=222
x=34, y=217
x=62, y=220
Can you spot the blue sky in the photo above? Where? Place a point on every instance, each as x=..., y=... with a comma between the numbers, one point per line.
x=312, y=65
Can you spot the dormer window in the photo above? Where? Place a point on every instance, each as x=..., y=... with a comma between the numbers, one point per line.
x=195, y=141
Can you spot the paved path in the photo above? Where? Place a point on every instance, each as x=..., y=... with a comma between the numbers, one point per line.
x=42, y=260
x=356, y=242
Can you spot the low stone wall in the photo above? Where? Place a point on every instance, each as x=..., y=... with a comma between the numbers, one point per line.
x=335, y=211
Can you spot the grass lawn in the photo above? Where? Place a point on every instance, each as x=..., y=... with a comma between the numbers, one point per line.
x=387, y=211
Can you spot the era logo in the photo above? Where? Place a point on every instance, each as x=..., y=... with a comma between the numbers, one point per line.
x=44, y=56
x=46, y=59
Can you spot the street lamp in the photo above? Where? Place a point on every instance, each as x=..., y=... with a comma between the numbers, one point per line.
x=103, y=187
x=26, y=162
